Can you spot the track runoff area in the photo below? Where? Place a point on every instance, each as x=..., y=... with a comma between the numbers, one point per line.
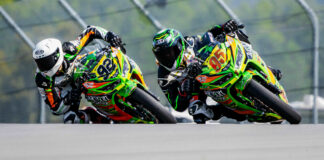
x=161, y=142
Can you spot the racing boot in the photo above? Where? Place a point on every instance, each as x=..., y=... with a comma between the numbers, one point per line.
x=76, y=117
x=86, y=115
x=200, y=112
x=276, y=72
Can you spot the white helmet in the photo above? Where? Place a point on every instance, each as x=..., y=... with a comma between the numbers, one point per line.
x=48, y=55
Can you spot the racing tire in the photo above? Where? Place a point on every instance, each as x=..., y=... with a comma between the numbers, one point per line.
x=152, y=105
x=274, y=102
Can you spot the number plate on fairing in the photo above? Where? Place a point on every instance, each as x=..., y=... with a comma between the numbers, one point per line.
x=106, y=68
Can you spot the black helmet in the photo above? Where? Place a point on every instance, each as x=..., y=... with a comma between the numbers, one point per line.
x=168, y=48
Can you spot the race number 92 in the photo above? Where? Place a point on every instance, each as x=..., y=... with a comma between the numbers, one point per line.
x=106, y=68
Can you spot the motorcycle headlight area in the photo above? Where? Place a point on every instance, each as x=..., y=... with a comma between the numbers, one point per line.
x=223, y=80
x=126, y=68
x=239, y=59
x=111, y=86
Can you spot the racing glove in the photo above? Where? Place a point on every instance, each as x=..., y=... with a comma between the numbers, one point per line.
x=230, y=26
x=43, y=82
x=194, y=69
x=113, y=39
x=70, y=47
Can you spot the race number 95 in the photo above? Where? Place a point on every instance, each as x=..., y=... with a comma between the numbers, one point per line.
x=217, y=60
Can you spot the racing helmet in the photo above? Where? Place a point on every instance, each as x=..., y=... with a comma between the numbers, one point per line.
x=48, y=55
x=168, y=48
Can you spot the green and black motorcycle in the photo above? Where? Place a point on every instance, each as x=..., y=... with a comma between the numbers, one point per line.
x=114, y=85
x=238, y=78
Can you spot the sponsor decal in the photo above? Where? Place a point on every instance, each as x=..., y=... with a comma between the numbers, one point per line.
x=100, y=100
x=217, y=95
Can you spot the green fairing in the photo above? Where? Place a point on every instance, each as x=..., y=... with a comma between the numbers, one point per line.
x=127, y=89
x=246, y=77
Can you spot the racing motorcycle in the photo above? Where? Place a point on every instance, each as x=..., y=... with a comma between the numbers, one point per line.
x=114, y=85
x=234, y=75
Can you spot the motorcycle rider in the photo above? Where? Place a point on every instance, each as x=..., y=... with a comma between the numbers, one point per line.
x=54, y=60
x=174, y=53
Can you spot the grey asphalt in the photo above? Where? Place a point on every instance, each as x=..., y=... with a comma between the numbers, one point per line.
x=161, y=142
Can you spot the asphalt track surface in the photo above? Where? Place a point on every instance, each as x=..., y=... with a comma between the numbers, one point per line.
x=161, y=142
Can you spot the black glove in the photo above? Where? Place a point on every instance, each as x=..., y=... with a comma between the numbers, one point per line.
x=42, y=82
x=194, y=69
x=70, y=47
x=230, y=26
x=113, y=39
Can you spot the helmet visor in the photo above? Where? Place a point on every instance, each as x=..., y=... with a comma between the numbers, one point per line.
x=47, y=63
x=168, y=55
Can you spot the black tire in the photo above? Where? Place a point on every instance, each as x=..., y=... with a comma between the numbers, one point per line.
x=274, y=102
x=152, y=105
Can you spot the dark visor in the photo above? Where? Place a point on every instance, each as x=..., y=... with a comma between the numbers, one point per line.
x=47, y=63
x=167, y=56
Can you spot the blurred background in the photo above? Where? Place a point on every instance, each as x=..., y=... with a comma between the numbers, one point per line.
x=281, y=31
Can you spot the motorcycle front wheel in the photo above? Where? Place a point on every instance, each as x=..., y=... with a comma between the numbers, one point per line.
x=258, y=91
x=152, y=105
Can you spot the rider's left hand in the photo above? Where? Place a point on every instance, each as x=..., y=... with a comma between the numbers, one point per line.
x=113, y=39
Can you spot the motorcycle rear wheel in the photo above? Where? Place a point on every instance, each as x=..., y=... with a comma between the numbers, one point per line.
x=274, y=102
